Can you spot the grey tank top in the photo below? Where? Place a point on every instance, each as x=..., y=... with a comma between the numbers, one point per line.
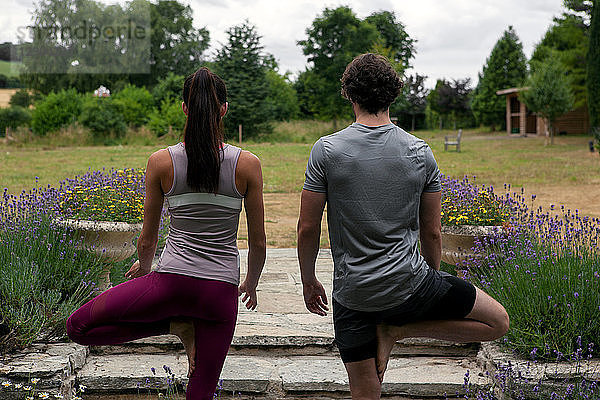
x=202, y=240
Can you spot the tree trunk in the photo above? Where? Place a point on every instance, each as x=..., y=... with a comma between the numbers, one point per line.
x=413, y=123
x=335, y=124
x=441, y=125
x=551, y=133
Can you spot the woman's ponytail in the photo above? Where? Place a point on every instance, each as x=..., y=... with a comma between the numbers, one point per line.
x=203, y=93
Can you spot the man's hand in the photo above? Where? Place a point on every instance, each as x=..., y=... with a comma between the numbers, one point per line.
x=136, y=271
x=249, y=294
x=315, y=297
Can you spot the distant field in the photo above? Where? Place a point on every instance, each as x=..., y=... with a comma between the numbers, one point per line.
x=494, y=158
x=9, y=68
x=565, y=173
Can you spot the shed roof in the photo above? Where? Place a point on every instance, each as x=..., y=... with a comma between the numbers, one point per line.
x=511, y=90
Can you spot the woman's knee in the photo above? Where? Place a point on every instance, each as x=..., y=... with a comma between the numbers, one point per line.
x=75, y=329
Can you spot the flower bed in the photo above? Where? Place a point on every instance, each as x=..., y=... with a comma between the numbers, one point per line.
x=116, y=196
x=34, y=247
x=464, y=203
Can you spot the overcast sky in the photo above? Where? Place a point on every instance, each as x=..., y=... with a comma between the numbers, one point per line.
x=454, y=37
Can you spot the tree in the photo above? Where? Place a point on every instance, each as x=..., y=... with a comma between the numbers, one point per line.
x=333, y=40
x=593, y=74
x=396, y=44
x=505, y=67
x=84, y=43
x=282, y=99
x=413, y=99
x=548, y=94
x=567, y=41
x=451, y=99
x=177, y=46
x=241, y=63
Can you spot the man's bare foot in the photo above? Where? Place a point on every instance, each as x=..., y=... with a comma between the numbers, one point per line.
x=386, y=337
x=183, y=328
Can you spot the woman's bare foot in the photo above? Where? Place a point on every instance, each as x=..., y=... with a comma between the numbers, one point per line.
x=386, y=337
x=183, y=328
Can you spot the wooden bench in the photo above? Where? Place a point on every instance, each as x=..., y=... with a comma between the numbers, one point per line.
x=453, y=141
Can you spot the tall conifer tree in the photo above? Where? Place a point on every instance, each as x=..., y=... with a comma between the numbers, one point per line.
x=505, y=67
x=241, y=63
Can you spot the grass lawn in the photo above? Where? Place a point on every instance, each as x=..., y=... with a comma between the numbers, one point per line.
x=10, y=69
x=565, y=173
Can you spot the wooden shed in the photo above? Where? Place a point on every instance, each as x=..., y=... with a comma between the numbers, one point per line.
x=519, y=120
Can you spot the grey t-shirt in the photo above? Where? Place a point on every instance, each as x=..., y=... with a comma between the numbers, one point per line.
x=373, y=178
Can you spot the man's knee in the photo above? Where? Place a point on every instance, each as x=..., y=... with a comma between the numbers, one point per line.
x=503, y=322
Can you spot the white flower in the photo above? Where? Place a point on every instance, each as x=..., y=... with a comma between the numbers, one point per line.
x=27, y=388
x=35, y=380
x=59, y=396
x=82, y=388
x=6, y=384
x=18, y=385
x=44, y=395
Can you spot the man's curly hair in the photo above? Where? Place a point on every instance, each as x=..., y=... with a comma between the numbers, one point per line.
x=371, y=82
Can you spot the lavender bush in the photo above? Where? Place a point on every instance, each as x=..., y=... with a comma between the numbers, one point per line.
x=545, y=269
x=46, y=275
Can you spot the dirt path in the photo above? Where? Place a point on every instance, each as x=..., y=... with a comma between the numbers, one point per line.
x=5, y=95
x=281, y=210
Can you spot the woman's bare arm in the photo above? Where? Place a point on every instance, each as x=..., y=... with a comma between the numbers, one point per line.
x=249, y=177
x=157, y=171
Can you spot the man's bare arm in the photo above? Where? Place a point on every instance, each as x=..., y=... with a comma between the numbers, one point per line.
x=430, y=226
x=309, y=235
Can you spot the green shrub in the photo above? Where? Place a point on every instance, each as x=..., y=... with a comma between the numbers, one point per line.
x=21, y=98
x=168, y=88
x=102, y=116
x=135, y=104
x=169, y=118
x=55, y=111
x=9, y=82
x=13, y=117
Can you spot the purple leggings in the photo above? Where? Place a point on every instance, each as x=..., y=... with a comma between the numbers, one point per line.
x=144, y=306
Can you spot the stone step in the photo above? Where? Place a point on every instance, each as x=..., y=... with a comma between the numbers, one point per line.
x=291, y=346
x=277, y=377
x=289, y=334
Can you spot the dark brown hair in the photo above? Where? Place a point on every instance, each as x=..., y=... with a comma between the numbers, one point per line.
x=204, y=93
x=371, y=82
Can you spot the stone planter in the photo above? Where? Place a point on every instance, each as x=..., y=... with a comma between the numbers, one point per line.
x=458, y=242
x=111, y=241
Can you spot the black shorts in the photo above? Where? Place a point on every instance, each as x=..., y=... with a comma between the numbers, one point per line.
x=440, y=296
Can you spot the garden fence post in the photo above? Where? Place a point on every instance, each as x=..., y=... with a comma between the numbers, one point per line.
x=240, y=133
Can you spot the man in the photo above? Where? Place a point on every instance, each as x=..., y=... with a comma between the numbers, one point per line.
x=383, y=195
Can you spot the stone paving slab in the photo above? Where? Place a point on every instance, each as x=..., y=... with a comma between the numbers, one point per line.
x=53, y=364
x=422, y=376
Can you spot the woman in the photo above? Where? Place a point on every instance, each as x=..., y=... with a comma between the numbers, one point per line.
x=193, y=292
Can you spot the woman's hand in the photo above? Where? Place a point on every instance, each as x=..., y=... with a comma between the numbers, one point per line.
x=136, y=271
x=249, y=291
